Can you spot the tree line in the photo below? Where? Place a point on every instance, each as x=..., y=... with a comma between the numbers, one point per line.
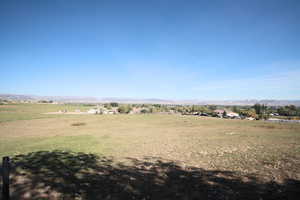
x=258, y=111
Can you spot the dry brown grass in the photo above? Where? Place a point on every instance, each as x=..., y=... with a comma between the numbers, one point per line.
x=268, y=150
x=78, y=124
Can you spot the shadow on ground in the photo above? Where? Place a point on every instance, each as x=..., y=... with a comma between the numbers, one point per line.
x=68, y=175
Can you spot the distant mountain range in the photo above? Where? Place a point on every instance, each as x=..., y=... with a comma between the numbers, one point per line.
x=67, y=99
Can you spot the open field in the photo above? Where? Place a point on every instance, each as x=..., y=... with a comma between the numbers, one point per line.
x=254, y=152
x=13, y=112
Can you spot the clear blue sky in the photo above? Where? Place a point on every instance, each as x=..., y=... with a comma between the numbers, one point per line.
x=171, y=49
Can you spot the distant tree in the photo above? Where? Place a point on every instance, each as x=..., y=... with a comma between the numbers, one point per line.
x=258, y=108
x=124, y=109
x=107, y=105
x=224, y=114
x=212, y=107
x=289, y=110
x=144, y=111
x=235, y=109
x=88, y=104
x=187, y=109
x=248, y=113
x=114, y=104
x=45, y=101
x=151, y=110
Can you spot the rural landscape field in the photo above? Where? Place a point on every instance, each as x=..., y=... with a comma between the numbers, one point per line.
x=149, y=100
x=144, y=152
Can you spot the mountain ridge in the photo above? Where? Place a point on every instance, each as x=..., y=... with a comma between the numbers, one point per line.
x=78, y=99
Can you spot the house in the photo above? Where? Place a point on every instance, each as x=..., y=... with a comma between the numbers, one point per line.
x=171, y=112
x=135, y=110
x=232, y=115
x=229, y=114
x=110, y=112
x=115, y=110
x=104, y=112
x=274, y=120
x=93, y=111
x=219, y=111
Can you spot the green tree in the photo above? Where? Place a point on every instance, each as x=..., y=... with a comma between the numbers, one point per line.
x=235, y=109
x=248, y=113
x=212, y=107
x=144, y=111
x=258, y=108
x=114, y=104
x=107, y=105
x=125, y=109
x=224, y=114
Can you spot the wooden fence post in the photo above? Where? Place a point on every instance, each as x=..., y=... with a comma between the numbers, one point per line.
x=5, y=178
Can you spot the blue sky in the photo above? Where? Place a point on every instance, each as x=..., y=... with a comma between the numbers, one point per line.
x=170, y=49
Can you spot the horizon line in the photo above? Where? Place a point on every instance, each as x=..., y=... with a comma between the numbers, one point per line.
x=147, y=98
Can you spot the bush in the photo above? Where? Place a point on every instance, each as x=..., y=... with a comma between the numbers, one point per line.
x=114, y=104
x=124, y=109
x=144, y=111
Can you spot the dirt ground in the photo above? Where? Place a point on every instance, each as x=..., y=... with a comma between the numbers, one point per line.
x=160, y=151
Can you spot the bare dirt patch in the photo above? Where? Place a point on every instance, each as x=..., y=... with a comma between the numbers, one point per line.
x=78, y=124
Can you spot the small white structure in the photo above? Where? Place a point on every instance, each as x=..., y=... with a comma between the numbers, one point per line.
x=135, y=110
x=250, y=118
x=92, y=111
x=274, y=119
x=232, y=114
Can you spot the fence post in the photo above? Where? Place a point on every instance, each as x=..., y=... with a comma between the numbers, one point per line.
x=5, y=178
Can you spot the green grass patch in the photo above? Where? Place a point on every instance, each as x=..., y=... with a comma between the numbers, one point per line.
x=14, y=112
x=82, y=143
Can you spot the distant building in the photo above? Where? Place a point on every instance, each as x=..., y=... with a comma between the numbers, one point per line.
x=93, y=111
x=274, y=119
x=232, y=115
x=229, y=114
x=219, y=111
x=135, y=110
x=250, y=118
